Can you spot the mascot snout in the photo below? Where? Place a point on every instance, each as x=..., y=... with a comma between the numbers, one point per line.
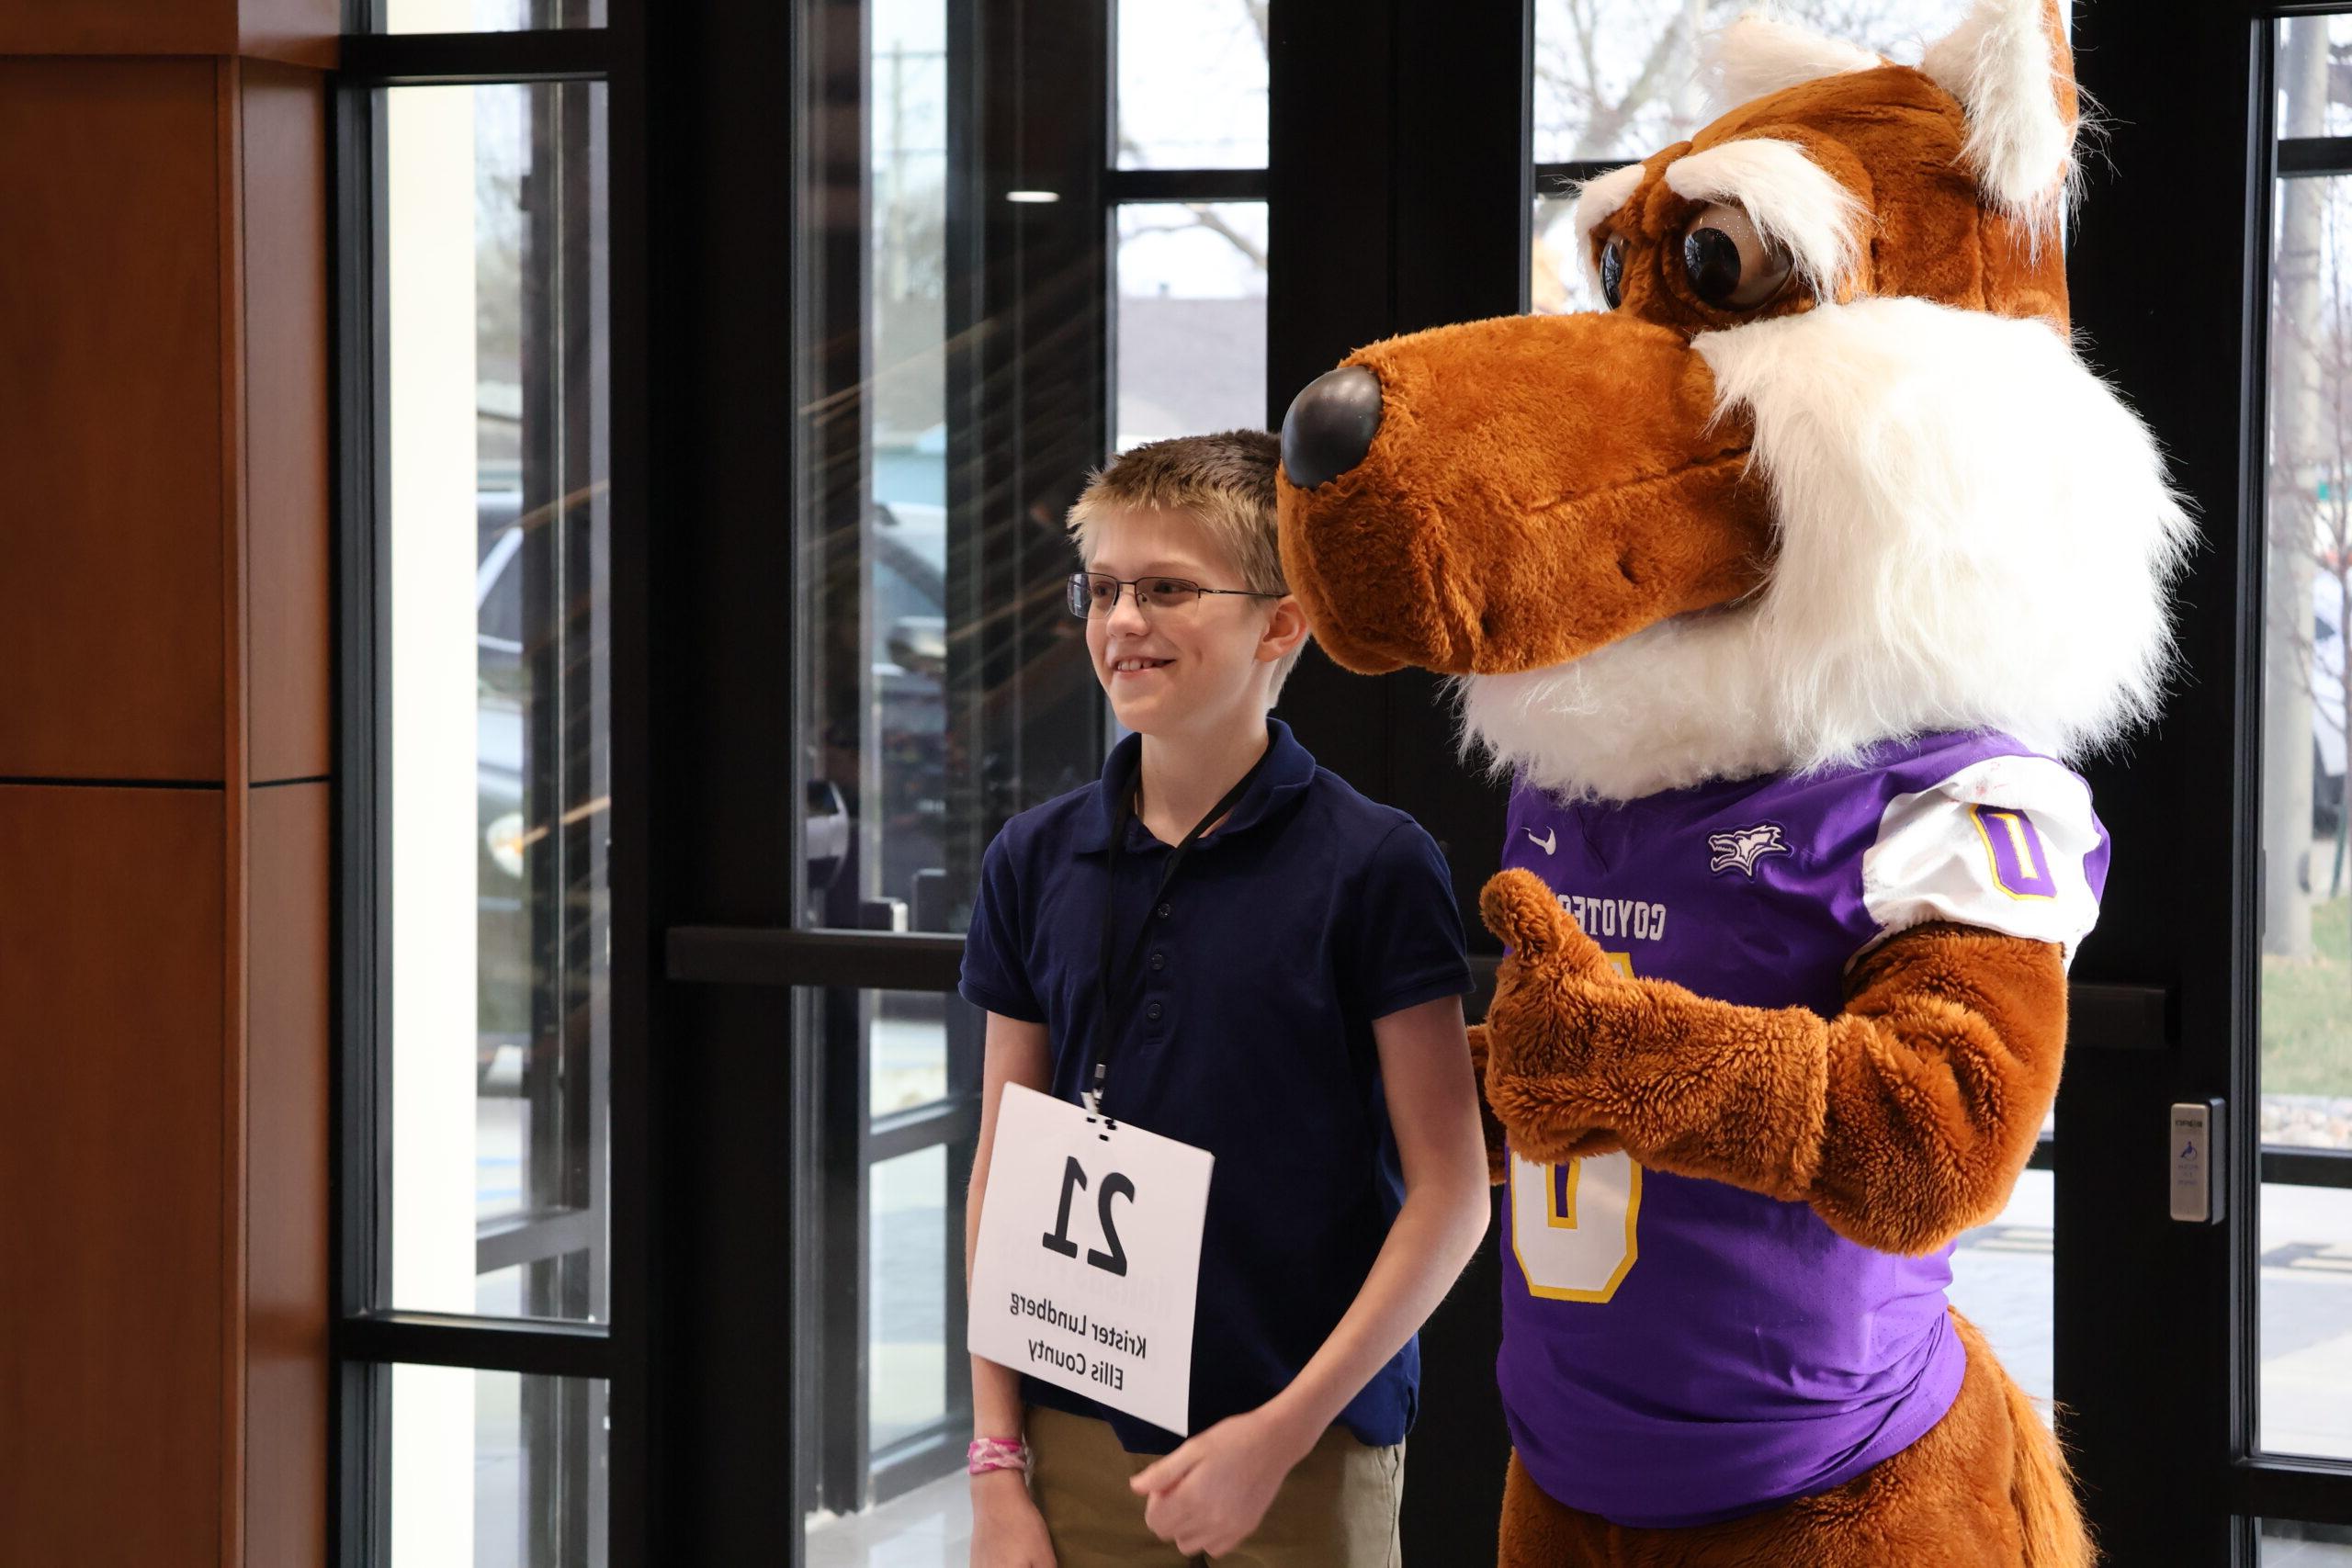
x=1512, y=493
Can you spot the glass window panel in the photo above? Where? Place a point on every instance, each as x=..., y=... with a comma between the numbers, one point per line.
x=1557, y=279
x=1619, y=79
x=907, y=1045
x=2306, y=1068
x=1193, y=83
x=2306, y=1330
x=498, y=769
x=908, y=1337
x=2290, y=1543
x=2000, y=1282
x=950, y=398
x=489, y=15
x=1192, y=329
x=2309, y=106
x=497, y=1470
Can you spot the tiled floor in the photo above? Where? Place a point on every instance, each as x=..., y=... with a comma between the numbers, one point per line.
x=928, y=1527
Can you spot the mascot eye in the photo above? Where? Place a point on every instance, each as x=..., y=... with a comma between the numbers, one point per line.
x=1730, y=265
x=1612, y=270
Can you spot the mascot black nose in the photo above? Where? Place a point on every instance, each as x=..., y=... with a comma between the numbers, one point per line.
x=1330, y=425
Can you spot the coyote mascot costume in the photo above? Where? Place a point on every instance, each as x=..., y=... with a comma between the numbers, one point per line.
x=1782, y=588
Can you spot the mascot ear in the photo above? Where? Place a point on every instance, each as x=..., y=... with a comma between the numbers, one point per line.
x=1762, y=52
x=2008, y=66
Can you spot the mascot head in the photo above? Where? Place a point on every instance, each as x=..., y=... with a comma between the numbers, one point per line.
x=1825, y=471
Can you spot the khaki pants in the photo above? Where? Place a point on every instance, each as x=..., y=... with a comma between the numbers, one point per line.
x=1335, y=1509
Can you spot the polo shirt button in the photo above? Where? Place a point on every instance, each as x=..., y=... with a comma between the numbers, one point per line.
x=1159, y=961
x=1161, y=911
x=1152, y=1012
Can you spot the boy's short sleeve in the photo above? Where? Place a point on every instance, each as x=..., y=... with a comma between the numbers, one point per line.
x=1409, y=948
x=994, y=975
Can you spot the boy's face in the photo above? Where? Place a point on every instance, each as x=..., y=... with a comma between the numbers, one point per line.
x=1191, y=670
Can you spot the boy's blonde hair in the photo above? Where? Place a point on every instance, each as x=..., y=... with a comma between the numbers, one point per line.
x=1224, y=482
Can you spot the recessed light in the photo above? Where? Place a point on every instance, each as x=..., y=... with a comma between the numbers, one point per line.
x=1033, y=196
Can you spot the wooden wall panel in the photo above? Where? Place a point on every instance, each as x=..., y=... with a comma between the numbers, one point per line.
x=111, y=637
x=302, y=32
x=285, y=1207
x=287, y=474
x=112, y=924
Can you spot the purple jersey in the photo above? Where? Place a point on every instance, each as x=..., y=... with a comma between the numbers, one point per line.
x=1678, y=1351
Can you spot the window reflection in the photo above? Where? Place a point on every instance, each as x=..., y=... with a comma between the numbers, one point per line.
x=497, y=1470
x=498, y=768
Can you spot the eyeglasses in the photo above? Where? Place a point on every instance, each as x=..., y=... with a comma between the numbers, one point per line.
x=1097, y=592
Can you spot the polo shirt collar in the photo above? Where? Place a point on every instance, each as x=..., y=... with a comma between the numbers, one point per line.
x=1289, y=769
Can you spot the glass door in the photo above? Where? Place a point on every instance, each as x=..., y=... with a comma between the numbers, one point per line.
x=2299, y=1314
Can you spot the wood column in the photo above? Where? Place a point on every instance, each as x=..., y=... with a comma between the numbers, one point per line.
x=166, y=770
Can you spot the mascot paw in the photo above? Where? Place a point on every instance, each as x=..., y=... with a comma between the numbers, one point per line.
x=1556, y=1032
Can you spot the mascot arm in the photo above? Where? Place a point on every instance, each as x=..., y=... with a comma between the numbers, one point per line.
x=1902, y=1122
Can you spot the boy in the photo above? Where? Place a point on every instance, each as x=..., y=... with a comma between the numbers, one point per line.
x=1290, y=1001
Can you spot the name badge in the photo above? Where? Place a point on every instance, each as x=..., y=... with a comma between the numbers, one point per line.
x=1088, y=1260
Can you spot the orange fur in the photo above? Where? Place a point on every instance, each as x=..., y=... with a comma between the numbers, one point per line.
x=1903, y=1121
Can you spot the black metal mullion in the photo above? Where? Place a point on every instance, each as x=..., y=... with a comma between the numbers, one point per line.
x=1557, y=179
x=359, y=1427
x=746, y=956
x=2187, y=110
x=2303, y=157
x=2284, y=1164
x=1184, y=185
x=424, y=60
x=622, y=1154
x=2314, y=1491
x=538, y=1348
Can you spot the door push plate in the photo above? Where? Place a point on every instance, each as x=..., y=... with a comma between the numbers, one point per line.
x=2197, y=1171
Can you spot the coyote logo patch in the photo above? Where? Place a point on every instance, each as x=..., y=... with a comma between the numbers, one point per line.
x=1743, y=847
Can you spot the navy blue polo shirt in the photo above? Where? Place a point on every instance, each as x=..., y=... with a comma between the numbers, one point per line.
x=1310, y=913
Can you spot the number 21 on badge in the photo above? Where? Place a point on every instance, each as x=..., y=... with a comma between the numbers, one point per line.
x=1115, y=1185
x=1088, y=1265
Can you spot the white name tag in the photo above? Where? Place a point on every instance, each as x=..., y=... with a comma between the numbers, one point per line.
x=1089, y=1256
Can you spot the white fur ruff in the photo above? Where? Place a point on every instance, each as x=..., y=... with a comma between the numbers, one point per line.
x=1792, y=201
x=1972, y=529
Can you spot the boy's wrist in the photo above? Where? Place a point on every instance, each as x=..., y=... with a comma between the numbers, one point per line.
x=1289, y=1426
x=990, y=1485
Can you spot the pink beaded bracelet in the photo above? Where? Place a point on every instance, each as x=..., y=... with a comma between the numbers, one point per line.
x=996, y=1453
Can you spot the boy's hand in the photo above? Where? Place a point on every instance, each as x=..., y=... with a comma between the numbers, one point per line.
x=1210, y=1495
x=1007, y=1530
x=1562, y=1028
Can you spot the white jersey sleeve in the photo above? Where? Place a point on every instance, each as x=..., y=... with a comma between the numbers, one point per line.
x=2009, y=844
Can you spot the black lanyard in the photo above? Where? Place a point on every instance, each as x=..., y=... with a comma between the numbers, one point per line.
x=1112, y=1026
